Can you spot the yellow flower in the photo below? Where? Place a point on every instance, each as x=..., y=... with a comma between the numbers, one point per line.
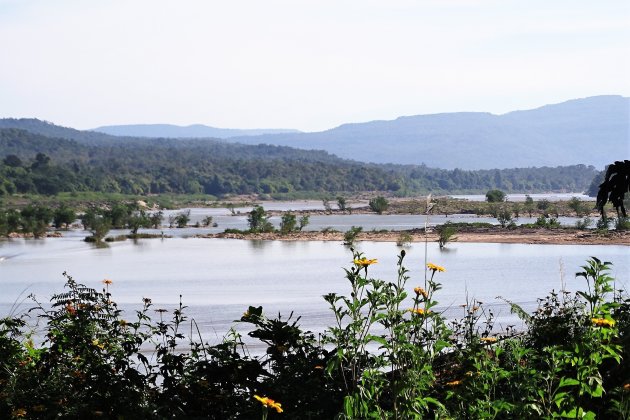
x=601, y=322
x=19, y=412
x=419, y=311
x=107, y=281
x=454, y=383
x=364, y=262
x=488, y=339
x=97, y=344
x=435, y=268
x=268, y=402
x=420, y=291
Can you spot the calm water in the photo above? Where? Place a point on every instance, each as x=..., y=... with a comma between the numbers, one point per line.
x=219, y=278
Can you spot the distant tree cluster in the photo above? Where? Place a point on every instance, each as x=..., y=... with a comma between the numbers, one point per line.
x=35, y=219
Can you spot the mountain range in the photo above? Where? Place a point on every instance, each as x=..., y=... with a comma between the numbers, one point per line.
x=190, y=131
x=592, y=131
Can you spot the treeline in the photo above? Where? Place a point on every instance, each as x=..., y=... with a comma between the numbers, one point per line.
x=573, y=178
x=34, y=163
x=35, y=219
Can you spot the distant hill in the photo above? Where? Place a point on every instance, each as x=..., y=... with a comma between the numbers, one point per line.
x=176, y=131
x=73, y=160
x=48, y=129
x=592, y=131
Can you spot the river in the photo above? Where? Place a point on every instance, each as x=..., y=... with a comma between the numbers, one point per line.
x=219, y=278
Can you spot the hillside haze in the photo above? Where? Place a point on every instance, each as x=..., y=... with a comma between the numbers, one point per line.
x=176, y=131
x=591, y=131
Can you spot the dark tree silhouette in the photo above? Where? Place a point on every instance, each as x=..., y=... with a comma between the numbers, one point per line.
x=614, y=188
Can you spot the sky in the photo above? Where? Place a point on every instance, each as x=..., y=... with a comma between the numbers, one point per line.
x=302, y=64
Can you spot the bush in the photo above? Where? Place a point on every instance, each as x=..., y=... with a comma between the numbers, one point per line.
x=288, y=223
x=351, y=235
x=547, y=222
x=622, y=223
x=303, y=222
x=446, y=234
x=258, y=222
x=379, y=204
x=404, y=239
x=495, y=196
x=584, y=223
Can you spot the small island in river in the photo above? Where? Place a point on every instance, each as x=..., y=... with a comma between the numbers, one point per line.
x=561, y=236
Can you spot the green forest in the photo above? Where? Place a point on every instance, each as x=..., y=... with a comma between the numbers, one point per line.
x=36, y=160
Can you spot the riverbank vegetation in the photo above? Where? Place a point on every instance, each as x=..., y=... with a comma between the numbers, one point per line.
x=389, y=353
x=37, y=220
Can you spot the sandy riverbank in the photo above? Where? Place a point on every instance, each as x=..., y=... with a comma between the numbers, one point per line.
x=520, y=236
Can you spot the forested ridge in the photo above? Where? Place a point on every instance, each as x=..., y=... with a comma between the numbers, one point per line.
x=47, y=159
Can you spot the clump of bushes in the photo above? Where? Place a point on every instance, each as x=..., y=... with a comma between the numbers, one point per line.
x=388, y=354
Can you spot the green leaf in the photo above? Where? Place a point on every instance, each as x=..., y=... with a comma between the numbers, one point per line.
x=378, y=339
x=568, y=382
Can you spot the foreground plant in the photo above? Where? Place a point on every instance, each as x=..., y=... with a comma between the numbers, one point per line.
x=390, y=354
x=384, y=350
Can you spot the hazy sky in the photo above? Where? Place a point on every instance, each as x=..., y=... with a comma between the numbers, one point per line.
x=309, y=65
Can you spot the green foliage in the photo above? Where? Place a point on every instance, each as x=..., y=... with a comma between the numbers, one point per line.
x=35, y=219
x=351, y=235
x=155, y=219
x=258, y=222
x=579, y=207
x=528, y=206
x=543, y=204
x=404, y=239
x=207, y=221
x=182, y=219
x=326, y=204
x=603, y=224
x=546, y=222
x=622, y=223
x=288, y=223
x=64, y=217
x=341, y=203
x=395, y=380
x=390, y=353
x=179, y=220
x=303, y=222
x=446, y=234
x=138, y=219
x=495, y=196
x=504, y=216
x=584, y=223
x=379, y=204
